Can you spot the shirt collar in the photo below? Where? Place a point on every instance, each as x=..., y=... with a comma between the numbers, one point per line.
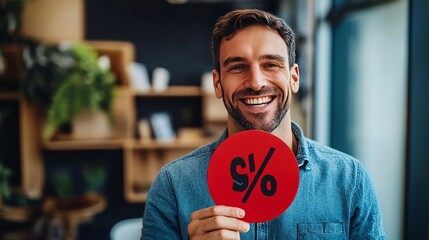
x=221, y=139
x=302, y=153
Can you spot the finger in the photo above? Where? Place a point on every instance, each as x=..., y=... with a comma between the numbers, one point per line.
x=221, y=222
x=223, y=234
x=218, y=211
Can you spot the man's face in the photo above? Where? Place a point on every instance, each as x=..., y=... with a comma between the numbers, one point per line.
x=255, y=81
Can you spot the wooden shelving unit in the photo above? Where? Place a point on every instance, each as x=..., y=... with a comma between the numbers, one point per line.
x=142, y=157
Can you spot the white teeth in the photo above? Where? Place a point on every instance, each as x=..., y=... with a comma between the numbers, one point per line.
x=258, y=101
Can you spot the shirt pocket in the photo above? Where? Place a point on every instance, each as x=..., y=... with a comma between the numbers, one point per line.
x=321, y=231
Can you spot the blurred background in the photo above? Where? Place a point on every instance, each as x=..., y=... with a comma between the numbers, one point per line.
x=137, y=70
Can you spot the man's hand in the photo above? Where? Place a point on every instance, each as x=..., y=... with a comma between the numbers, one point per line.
x=217, y=222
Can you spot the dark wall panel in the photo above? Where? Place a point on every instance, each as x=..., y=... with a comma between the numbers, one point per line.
x=176, y=37
x=417, y=221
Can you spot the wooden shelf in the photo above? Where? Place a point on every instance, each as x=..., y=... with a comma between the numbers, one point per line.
x=144, y=158
x=121, y=55
x=119, y=143
x=176, y=144
x=9, y=96
x=137, y=197
x=93, y=144
x=172, y=91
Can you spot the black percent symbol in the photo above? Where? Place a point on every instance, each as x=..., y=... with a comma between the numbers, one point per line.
x=241, y=180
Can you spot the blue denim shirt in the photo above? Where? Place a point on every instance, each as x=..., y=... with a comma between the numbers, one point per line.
x=335, y=199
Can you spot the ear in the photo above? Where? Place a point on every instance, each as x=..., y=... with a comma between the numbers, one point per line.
x=294, y=79
x=216, y=84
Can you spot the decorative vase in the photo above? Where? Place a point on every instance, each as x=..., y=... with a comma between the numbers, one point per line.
x=91, y=124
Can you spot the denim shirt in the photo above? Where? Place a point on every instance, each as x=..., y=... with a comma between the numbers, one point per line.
x=335, y=199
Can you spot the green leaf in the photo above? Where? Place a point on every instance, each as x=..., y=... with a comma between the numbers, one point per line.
x=85, y=86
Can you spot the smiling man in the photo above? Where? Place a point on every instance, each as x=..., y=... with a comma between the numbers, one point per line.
x=255, y=81
x=255, y=74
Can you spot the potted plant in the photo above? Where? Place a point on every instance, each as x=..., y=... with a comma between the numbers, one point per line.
x=69, y=184
x=71, y=82
x=72, y=204
x=69, y=189
x=94, y=178
x=15, y=205
x=11, y=197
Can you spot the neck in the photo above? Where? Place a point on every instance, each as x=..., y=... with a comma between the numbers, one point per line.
x=283, y=131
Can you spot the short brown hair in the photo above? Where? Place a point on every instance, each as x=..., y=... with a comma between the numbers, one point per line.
x=236, y=20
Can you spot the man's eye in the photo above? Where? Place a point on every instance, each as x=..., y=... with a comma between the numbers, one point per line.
x=271, y=65
x=237, y=68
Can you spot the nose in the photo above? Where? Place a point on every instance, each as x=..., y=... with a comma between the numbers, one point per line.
x=255, y=79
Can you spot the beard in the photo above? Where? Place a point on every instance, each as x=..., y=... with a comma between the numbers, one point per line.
x=257, y=121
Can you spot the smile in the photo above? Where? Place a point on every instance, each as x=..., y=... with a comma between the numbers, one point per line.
x=257, y=102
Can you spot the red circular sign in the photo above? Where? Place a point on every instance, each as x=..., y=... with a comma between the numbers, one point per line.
x=256, y=171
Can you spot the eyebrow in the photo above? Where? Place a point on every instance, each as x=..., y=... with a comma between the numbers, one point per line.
x=230, y=60
x=273, y=57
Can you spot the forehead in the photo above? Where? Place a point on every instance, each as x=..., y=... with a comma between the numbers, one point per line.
x=253, y=41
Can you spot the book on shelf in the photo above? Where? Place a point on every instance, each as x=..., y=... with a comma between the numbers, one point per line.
x=139, y=77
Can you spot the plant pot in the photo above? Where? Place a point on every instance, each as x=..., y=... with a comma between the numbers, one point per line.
x=69, y=213
x=91, y=124
x=19, y=208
